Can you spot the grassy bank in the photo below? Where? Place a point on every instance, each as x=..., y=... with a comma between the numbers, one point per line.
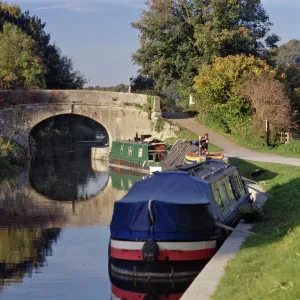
x=252, y=141
x=267, y=266
x=10, y=158
x=184, y=134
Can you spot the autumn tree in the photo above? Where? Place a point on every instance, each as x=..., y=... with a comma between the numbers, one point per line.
x=269, y=100
x=21, y=65
x=223, y=93
x=176, y=36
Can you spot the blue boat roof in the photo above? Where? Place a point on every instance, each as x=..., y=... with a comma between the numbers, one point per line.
x=175, y=187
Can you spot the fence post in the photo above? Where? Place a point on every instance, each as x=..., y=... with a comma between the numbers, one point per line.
x=267, y=132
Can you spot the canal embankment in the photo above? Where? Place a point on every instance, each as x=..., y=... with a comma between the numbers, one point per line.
x=265, y=264
x=12, y=157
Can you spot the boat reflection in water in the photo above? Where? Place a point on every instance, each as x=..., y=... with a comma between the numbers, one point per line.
x=129, y=288
x=123, y=180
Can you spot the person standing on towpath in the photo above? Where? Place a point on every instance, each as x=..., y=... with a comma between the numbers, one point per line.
x=202, y=143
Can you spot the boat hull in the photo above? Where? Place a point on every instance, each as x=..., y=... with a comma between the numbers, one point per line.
x=142, y=167
x=123, y=287
x=173, y=259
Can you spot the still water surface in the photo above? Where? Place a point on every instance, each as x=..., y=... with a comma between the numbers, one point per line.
x=54, y=232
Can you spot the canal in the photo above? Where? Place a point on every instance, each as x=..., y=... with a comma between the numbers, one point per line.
x=54, y=233
x=54, y=229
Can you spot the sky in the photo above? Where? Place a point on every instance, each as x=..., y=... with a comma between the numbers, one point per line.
x=98, y=36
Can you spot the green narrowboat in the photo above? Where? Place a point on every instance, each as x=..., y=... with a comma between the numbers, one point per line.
x=139, y=155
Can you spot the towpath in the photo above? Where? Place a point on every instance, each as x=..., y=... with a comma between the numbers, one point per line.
x=230, y=148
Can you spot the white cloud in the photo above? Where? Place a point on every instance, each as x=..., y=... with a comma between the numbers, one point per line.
x=76, y=5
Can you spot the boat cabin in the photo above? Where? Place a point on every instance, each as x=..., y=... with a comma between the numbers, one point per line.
x=138, y=155
x=228, y=188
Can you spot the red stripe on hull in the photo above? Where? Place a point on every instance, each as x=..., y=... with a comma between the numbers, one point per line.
x=171, y=255
x=126, y=295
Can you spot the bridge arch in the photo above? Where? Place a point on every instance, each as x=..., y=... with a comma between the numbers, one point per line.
x=95, y=126
x=122, y=114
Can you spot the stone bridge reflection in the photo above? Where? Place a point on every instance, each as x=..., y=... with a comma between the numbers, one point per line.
x=21, y=205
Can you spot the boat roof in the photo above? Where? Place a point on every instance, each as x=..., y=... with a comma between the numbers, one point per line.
x=139, y=142
x=207, y=169
x=177, y=187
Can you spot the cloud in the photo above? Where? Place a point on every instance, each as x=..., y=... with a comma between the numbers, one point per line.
x=77, y=5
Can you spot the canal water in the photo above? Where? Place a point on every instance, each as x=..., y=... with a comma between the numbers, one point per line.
x=54, y=227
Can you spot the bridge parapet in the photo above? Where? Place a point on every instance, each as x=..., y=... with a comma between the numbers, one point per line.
x=78, y=97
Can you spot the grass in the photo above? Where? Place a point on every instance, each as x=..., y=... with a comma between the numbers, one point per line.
x=267, y=267
x=184, y=134
x=254, y=142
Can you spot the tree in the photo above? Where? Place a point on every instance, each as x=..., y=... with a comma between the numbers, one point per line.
x=176, y=36
x=59, y=73
x=288, y=54
x=219, y=89
x=142, y=84
x=120, y=88
x=21, y=66
x=270, y=100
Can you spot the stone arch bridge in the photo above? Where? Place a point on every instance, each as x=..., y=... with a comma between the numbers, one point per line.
x=122, y=114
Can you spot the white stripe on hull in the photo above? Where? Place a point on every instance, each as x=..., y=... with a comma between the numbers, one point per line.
x=113, y=297
x=155, y=169
x=183, y=246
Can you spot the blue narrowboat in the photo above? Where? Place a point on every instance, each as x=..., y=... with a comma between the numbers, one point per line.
x=169, y=224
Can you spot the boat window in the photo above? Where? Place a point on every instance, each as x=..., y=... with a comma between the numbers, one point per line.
x=225, y=193
x=129, y=150
x=151, y=157
x=234, y=186
x=240, y=185
x=121, y=150
x=230, y=191
x=140, y=152
x=218, y=199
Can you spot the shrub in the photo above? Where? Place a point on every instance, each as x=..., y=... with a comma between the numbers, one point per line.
x=251, y=214
x=269, y=100
x=236, y=92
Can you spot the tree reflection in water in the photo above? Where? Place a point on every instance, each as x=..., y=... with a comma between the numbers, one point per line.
x=23, y=251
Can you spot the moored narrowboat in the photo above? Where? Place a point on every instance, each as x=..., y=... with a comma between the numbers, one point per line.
x=139, y=155
x=168, y=225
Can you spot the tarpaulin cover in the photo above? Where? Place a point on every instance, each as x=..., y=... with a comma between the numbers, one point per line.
x=179, y=206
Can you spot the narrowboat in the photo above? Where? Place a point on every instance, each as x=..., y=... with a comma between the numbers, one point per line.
x=139, y=155
x=170, y=224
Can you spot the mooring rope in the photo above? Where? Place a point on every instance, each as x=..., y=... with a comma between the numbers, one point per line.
x=233, y=229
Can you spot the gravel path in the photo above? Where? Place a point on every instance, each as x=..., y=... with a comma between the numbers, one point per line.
x=230, y=148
